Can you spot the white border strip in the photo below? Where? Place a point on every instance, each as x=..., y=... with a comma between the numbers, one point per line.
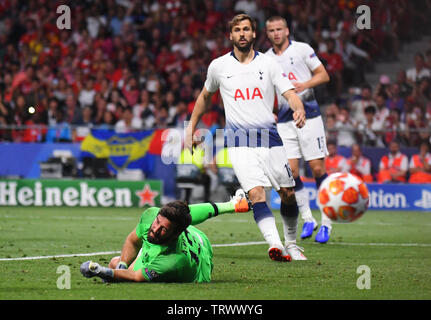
x=235, y=244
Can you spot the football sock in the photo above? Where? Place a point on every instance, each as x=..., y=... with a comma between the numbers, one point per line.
x=302, y=200
x=325, y=220
x=289, y=214
x=319, y=180
x=203, y=211
x=266, y=223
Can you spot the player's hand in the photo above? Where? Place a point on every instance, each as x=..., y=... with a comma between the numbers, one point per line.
x=299, y=118
x=299, y=87
x=188, y=139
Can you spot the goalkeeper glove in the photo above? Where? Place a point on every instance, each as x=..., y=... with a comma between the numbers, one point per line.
x=90, y=269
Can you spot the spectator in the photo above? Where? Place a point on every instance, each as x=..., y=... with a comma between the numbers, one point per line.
x=53, y=106
x=428, y=59
x=382, y=112
x=144, y=109
x=162, y=117
x=419, y=71
x=181, y=115
x=420, y=165
x=20, y=110
x=346, y=128
x=422, y=93
x=61, y=131
x=108, y=121
x=383, y=87
x=116, y=101
x=83, y=128
x=128, y=122
x=86, y=95
x=393, y=166
x=5, y=110
x=394, y=128
x=334, y=65
x=131, y=91
x=332, y=31
x=359, y=165
x=60, y=91
x=35, y=130
x=358, y=106
x=330, y=129
x=5, y=133
x=73, y=110
x=354, y=59
x=395, y=101
x=417, y=125
x=370, y=129
x=334, y=162
x=405, y=88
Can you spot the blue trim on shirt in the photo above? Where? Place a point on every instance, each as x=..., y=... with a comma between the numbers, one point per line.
x=256, y=53
x=312, y=110
x=253, y=138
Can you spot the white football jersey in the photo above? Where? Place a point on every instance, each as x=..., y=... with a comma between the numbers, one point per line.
x=298, y=61
x=248, y=93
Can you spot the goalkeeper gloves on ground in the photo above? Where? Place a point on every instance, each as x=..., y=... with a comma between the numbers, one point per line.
x=90, y=269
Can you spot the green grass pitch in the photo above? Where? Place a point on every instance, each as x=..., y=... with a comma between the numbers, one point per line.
x=396, y=246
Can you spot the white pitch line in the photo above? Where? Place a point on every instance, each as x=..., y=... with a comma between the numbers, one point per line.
x=235, y=244
x=61, y=256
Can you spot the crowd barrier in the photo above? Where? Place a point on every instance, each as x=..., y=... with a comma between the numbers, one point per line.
x=382, y=196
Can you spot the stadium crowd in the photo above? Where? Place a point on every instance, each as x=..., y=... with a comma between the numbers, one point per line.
x=139, y=64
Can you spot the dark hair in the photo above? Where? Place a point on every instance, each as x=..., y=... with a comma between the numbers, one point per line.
x=366, y=86
x=420, y=54
x=333, y=142
x=241, y=17
x=370, y=109
x=277, y=18
x=177, y=212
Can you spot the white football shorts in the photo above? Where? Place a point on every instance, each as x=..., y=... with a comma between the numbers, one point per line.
x=266, y=167
x=308, y=142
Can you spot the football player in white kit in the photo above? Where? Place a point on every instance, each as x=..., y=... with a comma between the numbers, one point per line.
x=304, y=69
x=246, y=79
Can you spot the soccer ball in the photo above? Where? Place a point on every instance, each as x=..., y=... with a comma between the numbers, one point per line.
x=343, y=197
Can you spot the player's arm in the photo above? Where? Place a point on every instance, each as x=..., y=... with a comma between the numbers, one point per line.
x=201, y=106
x=131, y=247
x=320, y=76
x=297, y=106
x=128, y=275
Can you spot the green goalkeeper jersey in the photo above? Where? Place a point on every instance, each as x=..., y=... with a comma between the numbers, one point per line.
x=189, y=259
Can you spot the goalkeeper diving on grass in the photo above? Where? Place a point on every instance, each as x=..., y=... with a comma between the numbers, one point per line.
x=165, y=246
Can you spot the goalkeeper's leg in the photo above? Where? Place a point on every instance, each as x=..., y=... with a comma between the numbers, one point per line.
x=203, y=211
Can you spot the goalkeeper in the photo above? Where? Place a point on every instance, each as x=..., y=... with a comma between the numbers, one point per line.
x=165, y=246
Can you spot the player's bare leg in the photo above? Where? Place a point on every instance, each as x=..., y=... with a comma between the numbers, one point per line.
x=114, y=262
x=289, y=214
x=301, y=195
x=317, y=167
x=266, y=223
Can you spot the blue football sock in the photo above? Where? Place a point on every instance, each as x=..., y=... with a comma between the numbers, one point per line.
x=298, y=184
x=319, y=180
x=261, y=211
